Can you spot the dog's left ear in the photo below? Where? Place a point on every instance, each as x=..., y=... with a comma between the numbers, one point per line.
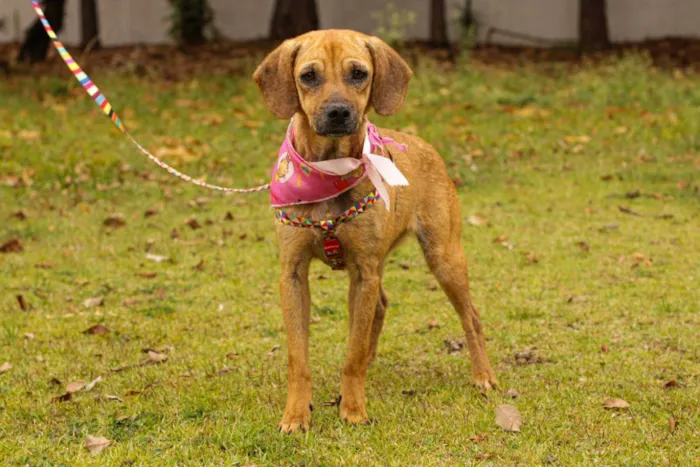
x=391, y=77
x=275, y=78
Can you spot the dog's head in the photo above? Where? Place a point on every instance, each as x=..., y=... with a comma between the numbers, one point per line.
x=333, y=77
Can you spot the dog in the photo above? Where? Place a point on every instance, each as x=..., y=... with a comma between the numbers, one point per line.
x=327, y=82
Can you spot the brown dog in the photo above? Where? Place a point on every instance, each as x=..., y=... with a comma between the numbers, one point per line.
x=328, y=80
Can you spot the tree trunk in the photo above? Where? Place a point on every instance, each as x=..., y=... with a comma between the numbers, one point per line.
x=89, y=25
x=293, y=17
x=36, y=41
x=593, y=25
x=192, y=21
x=438, y=24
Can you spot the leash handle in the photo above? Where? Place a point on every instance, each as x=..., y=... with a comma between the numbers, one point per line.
x=100, y=99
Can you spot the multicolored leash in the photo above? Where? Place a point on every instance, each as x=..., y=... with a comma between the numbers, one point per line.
x=106, y=107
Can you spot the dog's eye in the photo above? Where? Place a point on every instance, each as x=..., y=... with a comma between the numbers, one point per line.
x=309, y=76
x=358, y=74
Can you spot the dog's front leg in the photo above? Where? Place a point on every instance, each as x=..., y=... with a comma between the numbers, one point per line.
x=364, y=294
x=296, y=307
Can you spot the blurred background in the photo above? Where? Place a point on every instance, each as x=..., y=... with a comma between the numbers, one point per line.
x=583, y=24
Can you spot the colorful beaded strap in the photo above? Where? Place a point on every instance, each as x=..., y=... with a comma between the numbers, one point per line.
x=331, y=245
x=106, y=107
x=329, y=225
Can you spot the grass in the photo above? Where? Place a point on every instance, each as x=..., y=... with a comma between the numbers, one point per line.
x=545, y=154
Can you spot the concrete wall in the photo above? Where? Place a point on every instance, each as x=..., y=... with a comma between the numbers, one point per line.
x=125, y=22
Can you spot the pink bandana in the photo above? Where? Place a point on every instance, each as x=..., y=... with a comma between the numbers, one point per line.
x=296, y=181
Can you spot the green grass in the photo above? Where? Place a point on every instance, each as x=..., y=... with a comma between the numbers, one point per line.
x=541, y=152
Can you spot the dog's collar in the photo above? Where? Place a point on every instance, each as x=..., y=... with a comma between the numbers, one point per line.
x=297, y=181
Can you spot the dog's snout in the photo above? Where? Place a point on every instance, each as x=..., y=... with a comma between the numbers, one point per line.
x=336, y=119
x=338, y=114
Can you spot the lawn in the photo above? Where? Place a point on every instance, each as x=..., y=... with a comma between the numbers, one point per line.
x=580, y=194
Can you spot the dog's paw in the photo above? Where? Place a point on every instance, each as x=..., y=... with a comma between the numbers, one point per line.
x=485, y=380
x=291, y=423
x=353, y=416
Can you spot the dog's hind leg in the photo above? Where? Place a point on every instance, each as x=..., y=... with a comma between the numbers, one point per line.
x=439, y=232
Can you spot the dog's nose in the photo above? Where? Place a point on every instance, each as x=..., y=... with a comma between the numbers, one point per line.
x=338, y=114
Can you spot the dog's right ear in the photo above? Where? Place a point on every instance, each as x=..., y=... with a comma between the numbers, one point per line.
x=275, y=78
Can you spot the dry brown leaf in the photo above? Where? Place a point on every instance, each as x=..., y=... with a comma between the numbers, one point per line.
x=75, y=386
x=5, y=367
x=22, y=302
x=612, y=403
x=483, y=456
x=89, y=386
x=477, y=220
x=232, y=354
x=192, y=222
x=20, y=215
x=147, y=275
x=531, y=257
x=62, y=398
x=454, y=345
x=672, y=383
x=478, y=438
x=150, y=212
x=433, y=324
x=604, y=348
x=156, y=357
x=114, y=221
x=98, y=329
x=672, y=424
x=96, y=444
x=29, y=134
x=93, y=302
x=13, y=245
x=508, y=418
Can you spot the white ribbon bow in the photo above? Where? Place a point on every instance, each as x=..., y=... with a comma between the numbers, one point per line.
x=377, y=168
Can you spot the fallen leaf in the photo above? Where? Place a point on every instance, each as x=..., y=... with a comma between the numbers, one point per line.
x=111, y=397
x=508, y=417
x=583, y=246
x=527, y=357
x=612, y=403
x=512, y=393
x=157, y=258
x=29, y=336
x=20, y=215
x=62, y=398
x=231, y=355
x=156, y=357
x=405, y=265
x=22, y=302
x=629, y=211
x=482, y=456
x=192, y=222
x=114, y=221
x=243, y=236
x=228, y=216
x=199, y=266
x=174, y=234
x=29, y=134
x=98, y=329
x=13, y=245
x=478, y=438
x=130, y=301
x=224, y=370
x=150, y=212
x=454, y=345
x=672, y=383
x=604, y=348
x=672, y=424
x=147, y=275
x=433, y=324
x=531, y=257
x=5, y=367
x=274, y=349
x=477, y=220
x=93, y=302
x=75, y=386
x=89, y=386
x=96, y=444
